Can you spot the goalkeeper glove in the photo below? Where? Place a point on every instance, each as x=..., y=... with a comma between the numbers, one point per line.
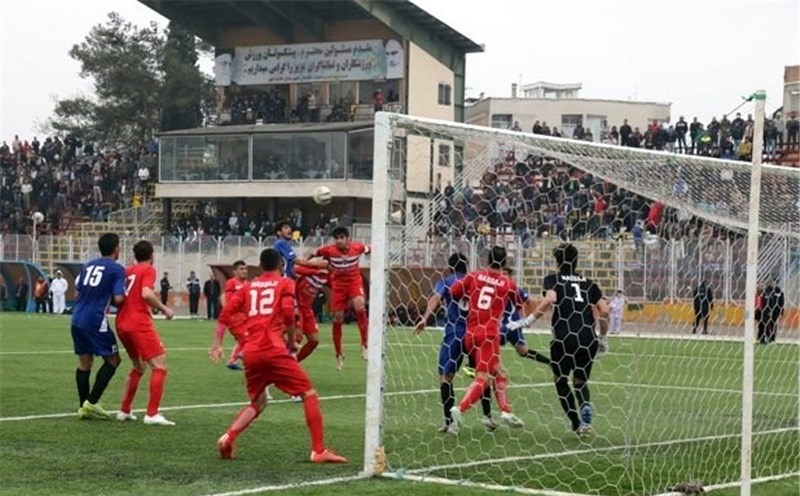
x=518, y=324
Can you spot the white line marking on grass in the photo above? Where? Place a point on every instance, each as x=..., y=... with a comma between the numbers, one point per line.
x=729, y=485
x=545, y=456
x=356, y=396
x=480, y=485
x=70, y=352
x=281, y=487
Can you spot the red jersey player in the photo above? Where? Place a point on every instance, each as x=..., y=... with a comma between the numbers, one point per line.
x=139, y=336
x=232, y=285
x=488, y=291
x=269, y=301
x=346, y=286
x=310, y=282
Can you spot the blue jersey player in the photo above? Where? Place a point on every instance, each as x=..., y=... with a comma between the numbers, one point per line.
x=515, y=336
x=100, y=282
x=283, y=245
x=451, y=352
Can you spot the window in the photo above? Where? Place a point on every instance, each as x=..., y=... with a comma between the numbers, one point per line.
x=418, y=214
x=571, y=120
x=444, y=155
x=445, y=94
x=343, y=93
x=501, y=121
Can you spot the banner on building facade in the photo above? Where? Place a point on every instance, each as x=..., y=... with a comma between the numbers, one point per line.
x=309, y=62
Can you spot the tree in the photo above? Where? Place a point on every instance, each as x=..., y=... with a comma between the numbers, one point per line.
x=184, y=85
x=125, y=63
x=74, y=116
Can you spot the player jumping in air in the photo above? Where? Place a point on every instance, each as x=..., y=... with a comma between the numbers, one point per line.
x=100, y=281
x=232, y=285
x=574, y=346
x=346, y=286
x=488, y=291
x=310, y=282
x=269, y=301
x=138, y=334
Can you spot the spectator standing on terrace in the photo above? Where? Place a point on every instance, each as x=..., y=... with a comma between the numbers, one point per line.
x=737, y=129
x=377, y=100
x=792, y=131
x=681, y=128
x=694, y=132
x=624, y=132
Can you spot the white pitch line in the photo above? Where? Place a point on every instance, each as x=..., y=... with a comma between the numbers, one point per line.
x=405, y=393
x=545, y=456
x=729, y=485
x=479, y=485
x=296, y=485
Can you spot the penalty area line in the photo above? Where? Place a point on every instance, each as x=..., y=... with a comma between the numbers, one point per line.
x=479, y=485
x=296, y=485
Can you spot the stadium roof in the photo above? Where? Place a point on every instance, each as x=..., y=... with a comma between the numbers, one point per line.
x=208, y=17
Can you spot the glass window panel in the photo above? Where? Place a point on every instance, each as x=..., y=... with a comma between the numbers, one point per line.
x=206, y=158
x=359, y=154
x=310, y=156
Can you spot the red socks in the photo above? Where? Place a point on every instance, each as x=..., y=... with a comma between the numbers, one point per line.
x=306, y=350
x=243, y=419
x=363, y=325
x=156, y=390
x=501, y=393
x=473, y=395
x=131, y=384
x=314, y=423
x=337, y=338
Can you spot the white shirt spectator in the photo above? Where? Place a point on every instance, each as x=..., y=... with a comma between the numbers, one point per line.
x=59, y=287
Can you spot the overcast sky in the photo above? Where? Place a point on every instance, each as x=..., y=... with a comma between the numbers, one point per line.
x=701, y=56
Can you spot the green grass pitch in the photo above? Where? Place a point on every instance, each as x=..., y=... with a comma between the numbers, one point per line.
x=673, y=403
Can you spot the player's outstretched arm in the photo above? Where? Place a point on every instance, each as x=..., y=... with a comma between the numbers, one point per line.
x=544, y=306
x=155, y=302
x=433, y=304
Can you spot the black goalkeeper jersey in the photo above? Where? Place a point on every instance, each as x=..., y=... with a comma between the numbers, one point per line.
x=572, y=312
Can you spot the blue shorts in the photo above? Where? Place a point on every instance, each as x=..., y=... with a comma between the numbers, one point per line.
x=514, y=338
x=94, y=342
x=451, y=353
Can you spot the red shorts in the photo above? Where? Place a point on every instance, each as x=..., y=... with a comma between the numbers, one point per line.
x=308, y=321
x=143, y=344
x=485, y=351
x=342, y=294
x=264, y=368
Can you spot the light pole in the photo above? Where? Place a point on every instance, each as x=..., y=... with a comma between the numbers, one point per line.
x=38, y=218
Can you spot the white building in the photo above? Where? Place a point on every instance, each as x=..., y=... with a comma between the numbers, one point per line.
x=559, y=106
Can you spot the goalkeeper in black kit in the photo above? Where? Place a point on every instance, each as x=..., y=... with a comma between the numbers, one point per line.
x=574, y=345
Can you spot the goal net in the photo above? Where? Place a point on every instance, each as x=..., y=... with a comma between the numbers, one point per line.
x=662, y=234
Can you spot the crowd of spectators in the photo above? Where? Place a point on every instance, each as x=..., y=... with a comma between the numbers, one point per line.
x=724, y=138
x=68, y=181
x=207, y=220
x=537, y=197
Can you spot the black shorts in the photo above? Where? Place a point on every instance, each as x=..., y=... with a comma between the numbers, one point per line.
x=574, y=355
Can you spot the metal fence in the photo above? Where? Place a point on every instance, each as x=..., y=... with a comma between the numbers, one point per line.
x=657, y=270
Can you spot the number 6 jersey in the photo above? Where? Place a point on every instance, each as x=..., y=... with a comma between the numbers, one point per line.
x=488, y=292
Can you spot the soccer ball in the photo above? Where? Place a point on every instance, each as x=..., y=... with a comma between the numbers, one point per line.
x=322, y=195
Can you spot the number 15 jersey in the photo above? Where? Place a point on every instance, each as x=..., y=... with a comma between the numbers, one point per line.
x=488, y=292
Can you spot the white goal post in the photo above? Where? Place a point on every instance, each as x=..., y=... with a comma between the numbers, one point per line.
x=672, y=407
